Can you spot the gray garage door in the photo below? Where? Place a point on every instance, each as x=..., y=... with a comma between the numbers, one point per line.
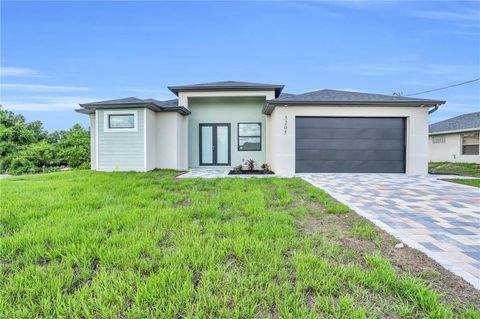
x=349, y=145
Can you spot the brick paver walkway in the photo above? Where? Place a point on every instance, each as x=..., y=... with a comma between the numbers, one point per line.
x=439, y=218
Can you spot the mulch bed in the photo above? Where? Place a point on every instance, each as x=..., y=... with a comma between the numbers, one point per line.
x=250, y=172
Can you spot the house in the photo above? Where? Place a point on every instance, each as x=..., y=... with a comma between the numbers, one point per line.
x=455, y=139
x=225, y=123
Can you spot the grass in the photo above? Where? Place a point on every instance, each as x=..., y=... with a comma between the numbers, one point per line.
x=465, y=169
x=84, y=244
x=469, y=182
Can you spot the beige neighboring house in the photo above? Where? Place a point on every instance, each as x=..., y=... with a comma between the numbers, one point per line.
x=455, y=139
x=223, y=124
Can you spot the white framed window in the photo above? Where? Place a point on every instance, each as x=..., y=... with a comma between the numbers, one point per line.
x=120, y=121
x=438, y=139
x=470, y=143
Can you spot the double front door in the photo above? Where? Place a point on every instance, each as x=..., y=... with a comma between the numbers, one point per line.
x=215, y=144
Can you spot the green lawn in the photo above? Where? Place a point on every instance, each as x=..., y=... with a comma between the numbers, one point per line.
x=469, y=182
x=466, y=169
x=84, y=244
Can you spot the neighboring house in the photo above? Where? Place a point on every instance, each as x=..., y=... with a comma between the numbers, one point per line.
x=455, y=139
x=226, y=123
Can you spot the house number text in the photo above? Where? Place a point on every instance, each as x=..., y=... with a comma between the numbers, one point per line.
x=285, y=126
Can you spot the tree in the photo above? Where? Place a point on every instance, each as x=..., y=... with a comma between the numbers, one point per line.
x=28, y=148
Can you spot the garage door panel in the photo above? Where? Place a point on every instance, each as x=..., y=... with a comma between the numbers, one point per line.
x=345, y=122
x=342, y=144
x=361, y=155
x=351, y=167
x=359, y=133
x=350, y=145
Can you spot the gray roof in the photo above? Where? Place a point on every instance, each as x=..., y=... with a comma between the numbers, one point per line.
x=338, y=97
x=127, y=100
x=327, y=95
x=152, y=104
x=227, y=85
x=465, y=122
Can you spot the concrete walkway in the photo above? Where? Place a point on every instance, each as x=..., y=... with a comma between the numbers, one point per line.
x=439, y=218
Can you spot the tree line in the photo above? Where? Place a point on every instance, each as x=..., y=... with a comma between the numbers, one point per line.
x=27, y=148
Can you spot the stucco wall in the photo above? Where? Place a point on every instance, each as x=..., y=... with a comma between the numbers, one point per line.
x=450, y=151
x=150, y=139
x=282, y=147
x=170, y=143
x=121, y=150
x=93, y=146
x=225, y=110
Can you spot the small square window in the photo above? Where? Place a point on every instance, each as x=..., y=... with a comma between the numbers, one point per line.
x=121, y=121
x=249, y=136
x=438, y=139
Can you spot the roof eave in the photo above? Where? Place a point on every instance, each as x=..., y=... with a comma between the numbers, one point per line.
x=93, y=106
x=455, y=131
x=85, y=111
x=151, y=106
x=277, y=88
x=270, y=105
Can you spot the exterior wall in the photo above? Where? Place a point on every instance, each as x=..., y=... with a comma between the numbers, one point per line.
x=120, y=150
x=150, y=140
x=183, y=97
x=282, y=125
x=93, y=145
x=170, y=143
x=182, y=137
x=226, y=110
x=450, y=151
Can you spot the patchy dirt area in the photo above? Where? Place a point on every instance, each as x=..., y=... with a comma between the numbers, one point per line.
x=340, y=229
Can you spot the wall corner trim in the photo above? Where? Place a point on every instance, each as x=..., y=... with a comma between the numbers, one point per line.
x=145, y=140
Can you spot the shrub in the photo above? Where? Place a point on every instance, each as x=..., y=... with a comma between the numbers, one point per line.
x=26, y=148
x=266, y=168
x=250, y=164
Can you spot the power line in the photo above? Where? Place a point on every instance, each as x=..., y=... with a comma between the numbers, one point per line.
x=443, y=88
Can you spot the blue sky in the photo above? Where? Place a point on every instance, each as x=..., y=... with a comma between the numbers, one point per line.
x=55, y=55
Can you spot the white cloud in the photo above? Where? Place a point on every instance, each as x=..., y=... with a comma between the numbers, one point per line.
x=352, y=90
x=16, y=71
x=40, y=88
x=467, y=15
x=46, y=104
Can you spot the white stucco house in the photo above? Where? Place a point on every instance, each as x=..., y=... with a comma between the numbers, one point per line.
x=456, y=139
x=222, y=124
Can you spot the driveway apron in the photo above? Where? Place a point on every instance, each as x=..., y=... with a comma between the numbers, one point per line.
x=439, y=218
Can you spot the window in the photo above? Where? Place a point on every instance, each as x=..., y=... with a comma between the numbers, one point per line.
x=438, y=139
x=249, y=136
x=121, y=121
x=470, y=142
x=116, y=121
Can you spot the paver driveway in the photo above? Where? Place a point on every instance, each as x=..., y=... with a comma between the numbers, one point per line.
x=439, y=218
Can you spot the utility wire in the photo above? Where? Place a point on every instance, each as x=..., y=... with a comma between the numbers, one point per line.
x=442, y=88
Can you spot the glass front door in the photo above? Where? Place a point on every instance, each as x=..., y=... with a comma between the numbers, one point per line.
x=214, y=144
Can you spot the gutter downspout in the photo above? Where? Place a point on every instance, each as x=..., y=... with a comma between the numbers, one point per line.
x=434, y=109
